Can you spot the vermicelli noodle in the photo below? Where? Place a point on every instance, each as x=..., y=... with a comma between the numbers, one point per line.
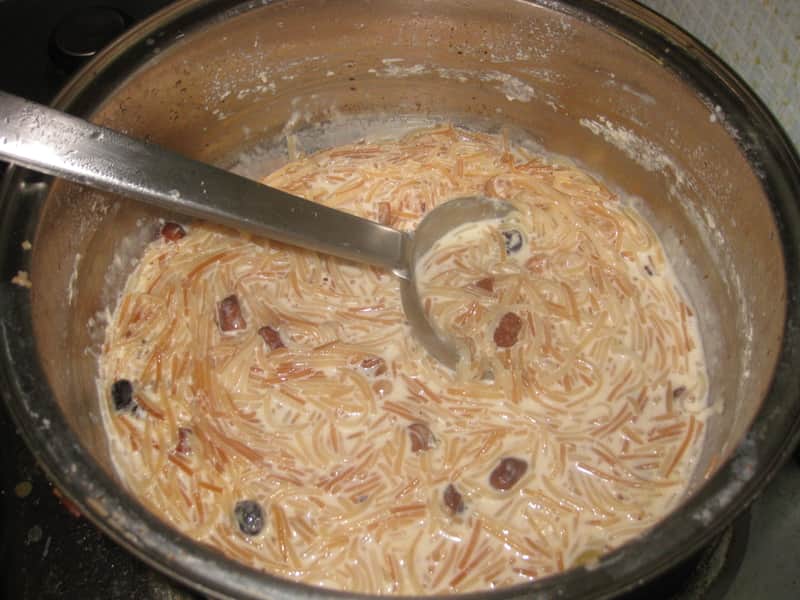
x=271, y=402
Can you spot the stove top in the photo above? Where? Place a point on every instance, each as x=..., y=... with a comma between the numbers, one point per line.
x=49, y=551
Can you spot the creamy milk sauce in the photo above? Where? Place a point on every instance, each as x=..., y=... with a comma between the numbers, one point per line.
x=272, y=403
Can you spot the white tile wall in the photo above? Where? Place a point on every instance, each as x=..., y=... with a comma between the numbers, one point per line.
x=759, y=39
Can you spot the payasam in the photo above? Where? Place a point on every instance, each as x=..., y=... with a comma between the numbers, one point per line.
x=272, y=403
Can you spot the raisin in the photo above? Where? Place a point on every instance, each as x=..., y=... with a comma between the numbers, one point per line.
x=122, y=394
x=249, y=516
x=184, y=444
x=421, y=437
x=230, y=314
x=507, y=473
x=374, y=364
x=271, y=337
x=679, y=391
x=172, y=232
x=514, y=240
x=487, y=283
x=453, y=499
x=648, y=270
x=507, y=331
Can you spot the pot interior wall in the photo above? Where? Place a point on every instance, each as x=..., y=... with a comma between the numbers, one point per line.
x=334, y=71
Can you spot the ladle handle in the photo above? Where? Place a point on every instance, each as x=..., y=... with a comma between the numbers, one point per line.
x=59, y=144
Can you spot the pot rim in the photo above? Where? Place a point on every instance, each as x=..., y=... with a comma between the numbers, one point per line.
x=768, y=442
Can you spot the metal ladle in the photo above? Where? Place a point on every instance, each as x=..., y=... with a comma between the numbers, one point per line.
x=59, y=144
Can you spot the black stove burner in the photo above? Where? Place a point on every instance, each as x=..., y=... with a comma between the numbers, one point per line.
x=82, y=33
x=44, y=41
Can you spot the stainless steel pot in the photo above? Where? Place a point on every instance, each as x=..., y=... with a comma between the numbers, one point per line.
x=608, y=84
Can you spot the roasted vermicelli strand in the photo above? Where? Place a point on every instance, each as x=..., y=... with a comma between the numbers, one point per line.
x=271, y=402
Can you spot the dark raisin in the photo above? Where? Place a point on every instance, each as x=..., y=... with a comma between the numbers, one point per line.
x=271, y=337
x=507, y=473
x=249, y=516
x=184, y=445
x=514, y=240
x=487, y=283
x=453, y=499
x=230, y=314
x=172, y=232
x=507, y=331
x=122, y=394
x=679, y=391
x=421, y=437
x=374, y=365
x=648, y=270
